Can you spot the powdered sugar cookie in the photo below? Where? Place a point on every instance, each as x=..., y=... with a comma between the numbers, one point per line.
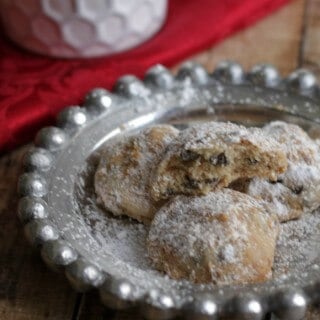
x=298, y=188
x=121, y=179
x=225, y=237
x=296, y=143
x=279, y=199
x=210, y=156
x=303, y=153
x=304, y=180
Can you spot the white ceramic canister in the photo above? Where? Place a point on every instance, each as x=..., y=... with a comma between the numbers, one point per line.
x=81, y=28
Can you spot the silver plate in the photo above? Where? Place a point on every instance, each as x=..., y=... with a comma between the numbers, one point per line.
x=59, y=213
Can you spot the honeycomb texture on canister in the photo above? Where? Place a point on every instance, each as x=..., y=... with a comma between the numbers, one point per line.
x=81, y=28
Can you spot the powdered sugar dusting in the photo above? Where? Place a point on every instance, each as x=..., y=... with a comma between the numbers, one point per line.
x=121, y=180
x=298, y=146
x=279, y=198
x=206, y=157
x=298, y=188
x=120, y=237
x=209, y=238
x=211, y=133
x=306, y=177
x=124, y=240
x=298, y=245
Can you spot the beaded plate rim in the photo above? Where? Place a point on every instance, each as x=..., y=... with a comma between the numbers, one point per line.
x=289, y=303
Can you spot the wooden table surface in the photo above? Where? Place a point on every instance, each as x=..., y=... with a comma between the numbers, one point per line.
x=290, y=38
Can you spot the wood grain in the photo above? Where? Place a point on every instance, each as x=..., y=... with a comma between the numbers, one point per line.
x=91, y=309
x=28, y=290
x=276, y=40
x=310, y=57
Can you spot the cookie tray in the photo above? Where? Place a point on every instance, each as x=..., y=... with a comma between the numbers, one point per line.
x=95, y=250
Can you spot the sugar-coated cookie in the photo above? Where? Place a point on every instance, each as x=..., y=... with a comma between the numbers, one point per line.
x=122, y=177
x=279, y=199
x=297, y=190
x=225, y=237
x=210, y=156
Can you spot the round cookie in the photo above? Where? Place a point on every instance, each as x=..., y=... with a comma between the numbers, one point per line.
x=304, y=181
x=210, y=156
x=297, y=190
x=296, y=143
x=277, y=197
x=225, y=237
x=122, y=178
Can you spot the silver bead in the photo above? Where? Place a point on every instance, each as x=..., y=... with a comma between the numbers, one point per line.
x=51, y=138
x=32, y=209
x=302, y=81
x=159, y=306
x=118, y=293
x=290, y=305
x=98, y=100
x=265, y=75
x=203, y=307
x=58, y=253
x=313, y=293
x=32, y=184
x=130, y=86
x=72, y=117
x=40, y=231
x=229, y=71
x=83, y=275
x=159, y=76
x=245, y=307
x=37, y=159
x=194, y=72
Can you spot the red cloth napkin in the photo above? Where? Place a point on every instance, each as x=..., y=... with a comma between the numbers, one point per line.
x=34, y=88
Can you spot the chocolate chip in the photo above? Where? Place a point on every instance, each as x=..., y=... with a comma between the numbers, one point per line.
x=252, y=161
x=191, y=183
x=211, y=181
x=219, y=160
x=169, y=192
x=279, y=180
x=297, y=189
x=188, y=155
